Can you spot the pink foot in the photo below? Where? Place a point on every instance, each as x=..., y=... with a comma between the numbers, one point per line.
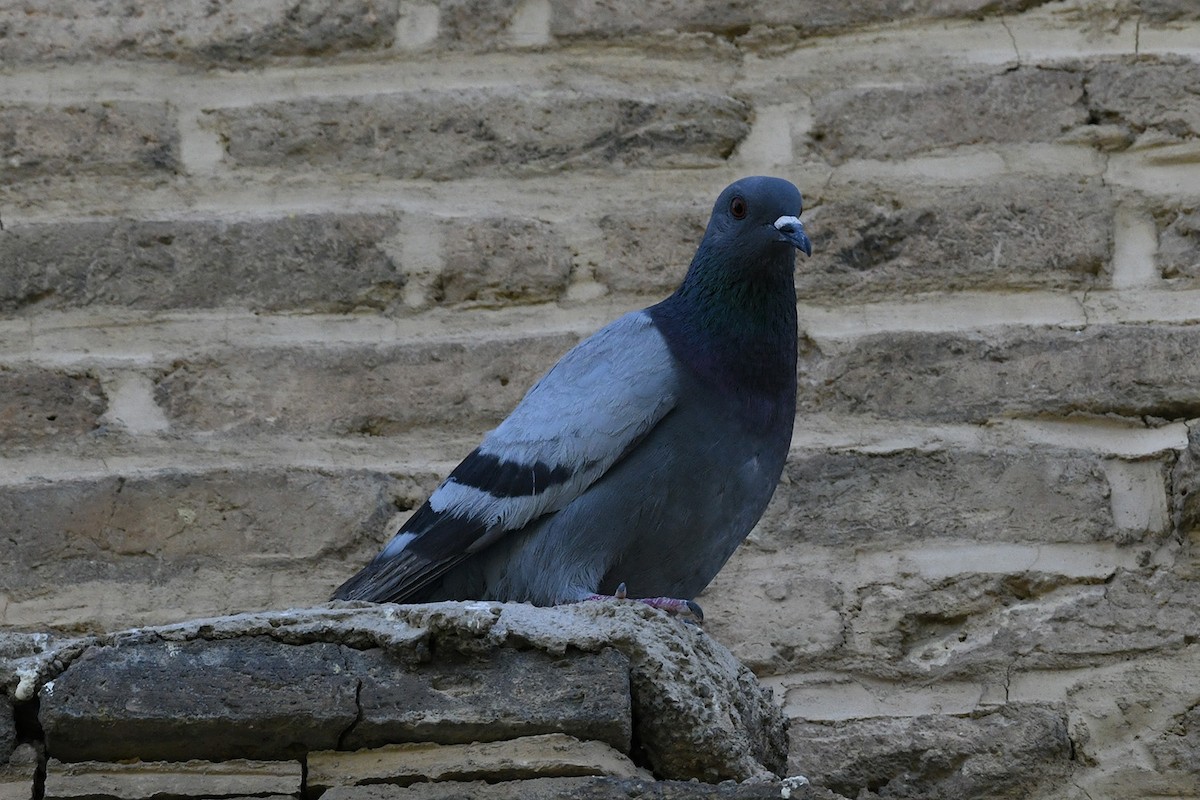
x=685, y=610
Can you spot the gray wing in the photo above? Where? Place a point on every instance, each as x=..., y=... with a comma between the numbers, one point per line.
x=581, y=418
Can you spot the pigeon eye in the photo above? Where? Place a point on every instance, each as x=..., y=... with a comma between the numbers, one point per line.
x=737, y=207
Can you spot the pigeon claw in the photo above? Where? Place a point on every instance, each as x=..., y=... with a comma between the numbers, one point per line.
x=683, y=610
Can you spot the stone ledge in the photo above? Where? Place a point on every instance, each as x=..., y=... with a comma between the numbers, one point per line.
x=281, y=684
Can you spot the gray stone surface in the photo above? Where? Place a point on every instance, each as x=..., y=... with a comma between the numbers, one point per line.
x=888, y=499
x=309, y=262
x=233, y=34
x=1146, y=95
x=280, y=683
x=502, y=261
x=1179, y=244
x=1010, y=107
x=163, y=522
x=583, y=789
x=1122, y=370
x=1006, y=234
x=18, y=777
x=38, y=404
x=377, y=390
x=501, y=694
x=111, y=138
x=438, y=135
x=1003, y=752
x=8, y=729
x=248, y=697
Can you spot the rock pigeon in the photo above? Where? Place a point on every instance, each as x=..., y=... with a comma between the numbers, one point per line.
x=643, y=458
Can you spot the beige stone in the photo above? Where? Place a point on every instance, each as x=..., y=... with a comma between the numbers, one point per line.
x=549, y=755
x=137, y=780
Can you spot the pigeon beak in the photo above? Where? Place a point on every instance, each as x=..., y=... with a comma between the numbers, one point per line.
x=791, y=230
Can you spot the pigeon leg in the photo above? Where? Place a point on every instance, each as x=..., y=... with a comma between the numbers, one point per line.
x=685, y=610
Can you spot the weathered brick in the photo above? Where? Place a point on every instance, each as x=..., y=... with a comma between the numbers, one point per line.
x=504, y=695
x=1126, y=370
x=596, y=18
x=231, y=34
x=1023, y=105
x=249, y=697
x=144, y=528
x=871, y=500
x=145, y=780
x=1008, y=234
x=648, y=251
x=38, y=405
x=112, y=138
x=381, y=390
x=1146, y=94
x=499, y=261
x=600, y=788
x=444, y=134
x=1179, y=244
x=311, y=262
x=1168, y=10
x=935, y=756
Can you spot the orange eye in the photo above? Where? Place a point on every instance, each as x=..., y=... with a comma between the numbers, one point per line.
x=737, y=207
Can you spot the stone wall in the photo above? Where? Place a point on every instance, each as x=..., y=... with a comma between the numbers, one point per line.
x=267, y=270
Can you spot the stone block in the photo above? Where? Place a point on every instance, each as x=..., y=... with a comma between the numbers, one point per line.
x=502, y=261
x=605, y=20
x=1002, y=752
x=140, y=780
x=111, y=138
x=1028, y=104
x=249, y=697
x=1007, y=234
x=1179, y=244
x=39, y=405
x=603, y=788
x=138, y=529
x=18, y=777
x=649, y=251
x=8, y=729
x=441, y=135
x=231, y=35
x=1130, y=370
x=312, y=262
x=1146, y=95
x=552, y=755
x=504, y=695
x=378, y=390
x=866, y=500
x=1168, y=10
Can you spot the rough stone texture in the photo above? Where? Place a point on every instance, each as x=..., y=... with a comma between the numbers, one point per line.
x=937, y=756
x=8, y=730
x=62, y=533
x=310, y=262
x=280, y=683
x=606, y=788
x=1008, y=234
x=143, y=781
x=1123, y=370
x=1168, y=10
x=108, y=138
x=499, y=261
x=551, y=755
x=376, y=390
x=649, y=252
x=504, y=695
x=249, y=697
x=889, y=499
x=38, y=405
x=18, y=775
x=440, y=135
x=1147, y=95
x=607, y=20
x=1179, y=244
x=1023, y=105
x=230, y=35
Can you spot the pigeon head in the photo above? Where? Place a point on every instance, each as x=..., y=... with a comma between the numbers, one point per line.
x=758, y=218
